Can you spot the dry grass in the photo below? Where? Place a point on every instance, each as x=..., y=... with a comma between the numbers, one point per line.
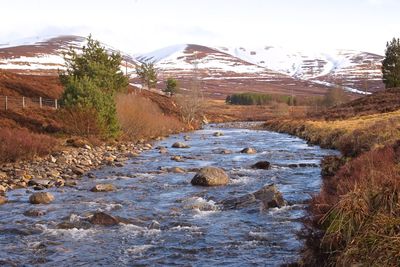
x=141, y=118
x=351, y=136
x=219, y=111
x=21, y=144
x=360, y=211
x=358, y=208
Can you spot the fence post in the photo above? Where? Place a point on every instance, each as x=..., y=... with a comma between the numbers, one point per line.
x=40, y=102
x=55, y=103
x=6, y=104
x=23, y=102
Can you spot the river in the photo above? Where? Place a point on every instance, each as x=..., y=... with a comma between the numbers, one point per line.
x=174, y=223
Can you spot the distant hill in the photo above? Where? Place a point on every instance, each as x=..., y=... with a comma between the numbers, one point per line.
x=380, y=102
x=220, y=70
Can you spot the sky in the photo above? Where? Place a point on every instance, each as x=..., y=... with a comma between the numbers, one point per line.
x=138, y=26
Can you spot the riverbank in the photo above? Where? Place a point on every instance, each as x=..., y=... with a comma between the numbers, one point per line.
x=354, y=216
x=165, y=220
x=66, y=166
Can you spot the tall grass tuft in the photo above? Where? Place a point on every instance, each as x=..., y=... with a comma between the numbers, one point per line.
x=361, y=210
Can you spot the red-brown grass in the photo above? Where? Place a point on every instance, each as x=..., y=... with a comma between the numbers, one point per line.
x=140, y=118
x=359, y=211
x=21, y=144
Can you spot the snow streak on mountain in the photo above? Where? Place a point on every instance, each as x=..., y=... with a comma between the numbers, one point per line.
x=221, y=69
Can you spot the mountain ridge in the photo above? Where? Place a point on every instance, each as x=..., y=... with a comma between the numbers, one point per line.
x=221, y=69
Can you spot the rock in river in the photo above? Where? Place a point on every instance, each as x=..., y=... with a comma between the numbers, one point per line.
x=34, y=213
x=268, y=197
x=101, y=218
x=3, y=200
x=248, y=150
x=265, y=165
x=180, y=145
x=210, y=176
x=41, y=198
x=103, y=188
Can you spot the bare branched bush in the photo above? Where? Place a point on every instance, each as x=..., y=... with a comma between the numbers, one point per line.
x=80, y=121
x=191, y=102
x=141, y=118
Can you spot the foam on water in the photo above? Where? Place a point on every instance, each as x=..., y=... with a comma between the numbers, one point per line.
x=173, y=222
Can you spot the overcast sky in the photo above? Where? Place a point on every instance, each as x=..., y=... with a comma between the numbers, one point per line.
x=138, y=26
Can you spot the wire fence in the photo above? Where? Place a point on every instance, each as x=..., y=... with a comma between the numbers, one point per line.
x=12, y=102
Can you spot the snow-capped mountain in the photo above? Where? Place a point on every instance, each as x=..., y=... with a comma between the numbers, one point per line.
x=37, y=56
x=221, y=70
x=348, y=68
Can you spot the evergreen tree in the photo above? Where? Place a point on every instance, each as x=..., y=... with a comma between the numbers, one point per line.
x=172, y=86
x=391, y=64
x=91, y=80
x=147, y=74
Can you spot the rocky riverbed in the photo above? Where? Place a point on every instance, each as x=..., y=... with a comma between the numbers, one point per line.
x=67, y=167
x=218, y=196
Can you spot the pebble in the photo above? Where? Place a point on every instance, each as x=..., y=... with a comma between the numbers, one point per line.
x=61, y=167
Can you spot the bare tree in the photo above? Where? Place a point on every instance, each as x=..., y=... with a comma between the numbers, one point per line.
x=191, y=102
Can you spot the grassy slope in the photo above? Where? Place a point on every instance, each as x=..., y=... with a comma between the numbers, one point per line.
x=358, y=208
x=33, y=123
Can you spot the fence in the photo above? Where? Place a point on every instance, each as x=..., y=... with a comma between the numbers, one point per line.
x=12, y=102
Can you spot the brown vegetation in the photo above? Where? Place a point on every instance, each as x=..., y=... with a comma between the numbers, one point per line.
x=357, y=212
x=20, y=144
x=359, y=209
x=141, y=118
x=381, y=102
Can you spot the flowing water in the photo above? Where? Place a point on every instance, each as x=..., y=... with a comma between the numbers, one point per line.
x=174, y=223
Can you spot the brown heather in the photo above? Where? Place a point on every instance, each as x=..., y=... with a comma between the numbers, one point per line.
x=141, y=118
x=20, y=144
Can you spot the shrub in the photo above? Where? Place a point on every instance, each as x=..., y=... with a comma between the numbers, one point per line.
x=21, y=144
x=141, y=118
x=91, y=81
x=171, y=86
x=80, y=121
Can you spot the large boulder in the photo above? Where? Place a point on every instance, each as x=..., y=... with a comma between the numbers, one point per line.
x=248, y=150
x=265, y=165
x=270, y=196
x=265, y=198
x=101, y=218
x=210, y=176
x=103, y=188
x=180, y=145
x=41, y=198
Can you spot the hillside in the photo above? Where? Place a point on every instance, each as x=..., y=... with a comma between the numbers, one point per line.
x=46, y=120
x=349, y=68
x=221, y=71
x=45, y=57
x=380, y=102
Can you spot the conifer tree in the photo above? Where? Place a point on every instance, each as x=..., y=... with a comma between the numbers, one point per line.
x=171, y=86
x=91, y=80
x=147, y=74
x=391, y=64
